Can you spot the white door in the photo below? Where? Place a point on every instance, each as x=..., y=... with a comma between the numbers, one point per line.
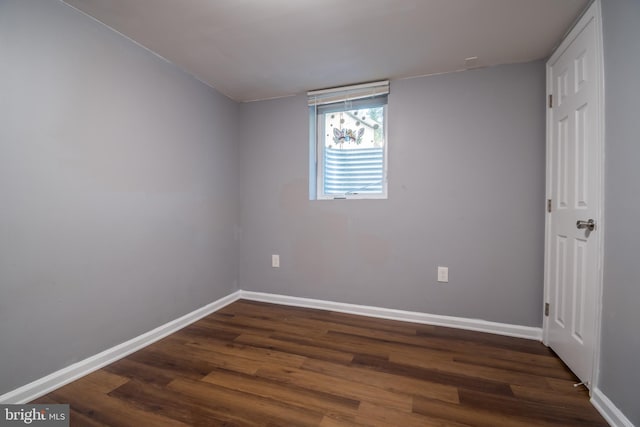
x=573, y=256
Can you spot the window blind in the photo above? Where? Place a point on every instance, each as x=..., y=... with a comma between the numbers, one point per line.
x=353, y=171
x=347, y=93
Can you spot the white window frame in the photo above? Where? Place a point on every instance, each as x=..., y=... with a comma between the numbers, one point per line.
x=317, y=135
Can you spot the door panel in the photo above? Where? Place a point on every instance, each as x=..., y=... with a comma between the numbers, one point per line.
x=574, y=170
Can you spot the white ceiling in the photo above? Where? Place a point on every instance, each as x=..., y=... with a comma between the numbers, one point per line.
x=258, y=49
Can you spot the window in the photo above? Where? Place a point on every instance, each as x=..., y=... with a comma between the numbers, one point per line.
x=348, y=142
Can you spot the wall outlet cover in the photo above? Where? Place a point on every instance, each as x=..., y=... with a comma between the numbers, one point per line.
x=443, y=274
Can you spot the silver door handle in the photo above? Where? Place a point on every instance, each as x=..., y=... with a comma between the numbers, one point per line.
x=589, y=225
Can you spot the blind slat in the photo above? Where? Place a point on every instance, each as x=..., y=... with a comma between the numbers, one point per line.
x=359, y=170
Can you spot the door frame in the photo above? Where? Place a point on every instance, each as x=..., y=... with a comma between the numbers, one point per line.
x=593, y=12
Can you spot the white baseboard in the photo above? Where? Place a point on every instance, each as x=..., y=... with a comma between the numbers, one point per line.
x=71, y=373
x=608, y=410
x=405, y=316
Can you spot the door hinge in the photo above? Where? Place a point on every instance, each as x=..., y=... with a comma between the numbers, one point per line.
x=550, y=101
x=549, y=205
x=546, y=309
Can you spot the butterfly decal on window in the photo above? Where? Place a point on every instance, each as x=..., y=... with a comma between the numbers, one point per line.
x=347, y=135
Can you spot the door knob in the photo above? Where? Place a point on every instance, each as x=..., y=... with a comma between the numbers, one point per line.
x=589, y=225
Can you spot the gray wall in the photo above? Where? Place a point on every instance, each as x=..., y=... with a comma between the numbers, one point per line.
x=118, y=190
x=466, y=190
x=619, y=373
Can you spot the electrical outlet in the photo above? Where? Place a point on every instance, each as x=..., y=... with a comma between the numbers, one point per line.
x=443, y=274
x=275, y=261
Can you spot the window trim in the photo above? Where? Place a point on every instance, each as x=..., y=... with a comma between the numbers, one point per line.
x=324, y=98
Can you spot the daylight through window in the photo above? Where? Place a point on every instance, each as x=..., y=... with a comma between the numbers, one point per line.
x=348, y=137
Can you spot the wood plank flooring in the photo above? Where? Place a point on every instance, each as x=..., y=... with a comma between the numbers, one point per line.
x=257, y=364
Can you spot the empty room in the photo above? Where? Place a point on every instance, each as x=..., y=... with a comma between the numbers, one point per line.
x=319, y=213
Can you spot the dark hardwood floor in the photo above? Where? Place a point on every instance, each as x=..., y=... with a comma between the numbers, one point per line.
x=257, y=364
